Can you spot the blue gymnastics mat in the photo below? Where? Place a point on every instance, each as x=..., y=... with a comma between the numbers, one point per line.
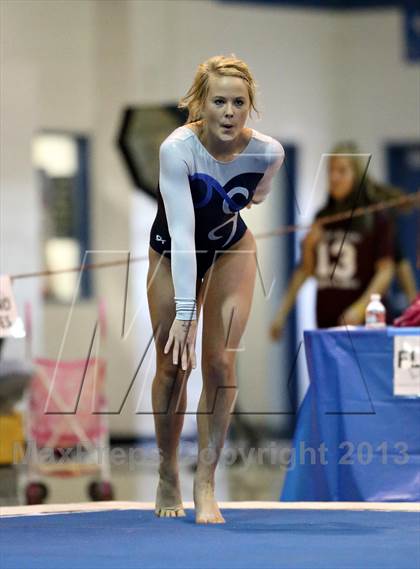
x=251, y=538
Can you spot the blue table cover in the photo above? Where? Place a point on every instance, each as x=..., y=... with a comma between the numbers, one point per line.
x=365, y=441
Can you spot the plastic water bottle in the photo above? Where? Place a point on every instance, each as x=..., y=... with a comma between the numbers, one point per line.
x=375, y=313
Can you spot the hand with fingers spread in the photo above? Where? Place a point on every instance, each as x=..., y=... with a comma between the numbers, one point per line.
x=182, y=336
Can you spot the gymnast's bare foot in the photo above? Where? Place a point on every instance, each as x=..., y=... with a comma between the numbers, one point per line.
x=206, y=508
x=168, y=496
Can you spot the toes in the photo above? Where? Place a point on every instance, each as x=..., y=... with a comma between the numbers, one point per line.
x=170, y=512
x=210, y=519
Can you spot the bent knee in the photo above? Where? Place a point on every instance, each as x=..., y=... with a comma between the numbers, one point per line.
x=166, y=369
x=219, y=368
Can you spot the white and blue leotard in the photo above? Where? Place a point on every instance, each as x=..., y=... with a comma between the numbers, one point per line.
x=199, y=203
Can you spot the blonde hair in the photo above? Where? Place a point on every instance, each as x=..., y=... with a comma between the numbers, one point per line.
x=358, y=161
x=220, y=65
x=374, y=191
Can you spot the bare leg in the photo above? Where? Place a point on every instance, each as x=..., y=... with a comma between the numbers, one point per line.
x=169, y=398
x=228, y=292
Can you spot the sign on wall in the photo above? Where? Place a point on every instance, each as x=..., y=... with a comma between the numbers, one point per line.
x=412, y=33
x=8, y=311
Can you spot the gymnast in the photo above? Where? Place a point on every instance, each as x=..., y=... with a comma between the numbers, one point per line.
x=202, y=256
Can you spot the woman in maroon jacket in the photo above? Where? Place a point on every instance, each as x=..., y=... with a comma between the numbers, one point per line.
x=350, y=259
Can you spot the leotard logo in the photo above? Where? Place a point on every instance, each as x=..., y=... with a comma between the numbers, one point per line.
x=240, y=185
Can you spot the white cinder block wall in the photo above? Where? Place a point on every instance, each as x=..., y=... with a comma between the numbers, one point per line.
x=74, y=65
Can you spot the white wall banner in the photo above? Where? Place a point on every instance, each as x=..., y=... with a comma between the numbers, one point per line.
x=407, y=366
